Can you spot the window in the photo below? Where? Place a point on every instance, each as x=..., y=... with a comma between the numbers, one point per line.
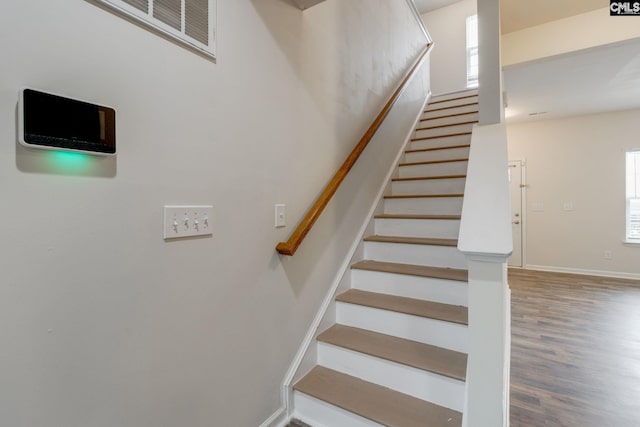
x=633, y=196
x=472, y=51
x=189, y=22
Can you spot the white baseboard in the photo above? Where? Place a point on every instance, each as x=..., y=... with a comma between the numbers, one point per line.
x=277, y=419
x=584, y=272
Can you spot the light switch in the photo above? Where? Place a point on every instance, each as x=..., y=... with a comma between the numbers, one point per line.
x=187, y=221
x=281, y=216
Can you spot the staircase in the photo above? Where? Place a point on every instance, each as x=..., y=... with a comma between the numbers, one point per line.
x=397, y=353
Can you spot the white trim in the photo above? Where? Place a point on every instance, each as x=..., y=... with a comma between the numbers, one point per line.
x=523, y=214
x=584, y=272
x=523, y=210
x=497, y=258
x=287, y=394
x=277, y=419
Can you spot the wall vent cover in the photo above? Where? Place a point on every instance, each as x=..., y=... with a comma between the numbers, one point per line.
x=189, y=22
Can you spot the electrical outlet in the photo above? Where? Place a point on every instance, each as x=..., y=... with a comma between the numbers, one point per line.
x=187, y=221
x=608, y=254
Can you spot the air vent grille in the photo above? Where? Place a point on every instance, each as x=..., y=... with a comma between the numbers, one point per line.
x=190, y=22
x=142, y=5
x=169, y=12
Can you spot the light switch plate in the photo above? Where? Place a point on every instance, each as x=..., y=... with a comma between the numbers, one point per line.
x=187, y=221
x=281, y=216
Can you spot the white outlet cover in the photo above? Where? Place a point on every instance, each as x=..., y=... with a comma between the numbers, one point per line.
x=187, y=221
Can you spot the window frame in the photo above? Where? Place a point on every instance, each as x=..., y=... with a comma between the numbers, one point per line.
x=149, y=21
x=632, y=195
x=471, y=44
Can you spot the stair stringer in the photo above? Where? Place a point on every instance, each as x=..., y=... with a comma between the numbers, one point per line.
x=305, y=357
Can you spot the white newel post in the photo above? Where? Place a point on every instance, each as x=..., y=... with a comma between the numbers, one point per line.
x=489, y=343
x=485, y=239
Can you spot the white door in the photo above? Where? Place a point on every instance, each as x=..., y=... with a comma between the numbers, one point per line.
x=515, y=189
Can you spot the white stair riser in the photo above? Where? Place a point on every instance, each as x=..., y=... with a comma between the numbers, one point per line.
x=424, y=133
x=429, y=156
x=426, y=288
x=439, y=142
x=440, y=228
x=433, y=169
x=452, y=103
x=448, y=335
x=428, y=186
x=451, y=95
x=432, y=112
x=424, y=385
x=424, y=206
x=430, y=255
x=449, y=118
x=318, y=413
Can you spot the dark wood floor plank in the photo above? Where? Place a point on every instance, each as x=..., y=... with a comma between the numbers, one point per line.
x=575, y=358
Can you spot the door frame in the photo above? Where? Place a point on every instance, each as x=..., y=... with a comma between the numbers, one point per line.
x=523, y=208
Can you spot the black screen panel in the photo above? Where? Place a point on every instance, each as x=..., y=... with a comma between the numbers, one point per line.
x=56, y=122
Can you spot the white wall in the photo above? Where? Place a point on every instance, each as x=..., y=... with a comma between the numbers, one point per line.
x=595, y=28
x=578, y=160
x=105, y=324
x=447, y=27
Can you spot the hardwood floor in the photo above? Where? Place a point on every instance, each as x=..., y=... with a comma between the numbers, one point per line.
x=575, y=350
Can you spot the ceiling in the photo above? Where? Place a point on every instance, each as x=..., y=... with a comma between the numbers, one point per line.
x=519, y=14
x=605, y=78
x=425, y=6
x=601, y=79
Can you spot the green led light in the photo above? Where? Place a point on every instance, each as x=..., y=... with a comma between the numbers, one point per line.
x=70, y=161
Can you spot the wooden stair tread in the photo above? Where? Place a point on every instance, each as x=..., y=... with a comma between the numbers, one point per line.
x=439, y=148
x=446, y=116
x=432, y=162
x=430, y=110
x=423, y=196
x=412, y=240
x=413, y=270
x=426, y=357
x=419, y=178
x=438, y=101
x=410, y=216
x=448, y=125
x=416, y=307
x=441, y=136
x=374, y=402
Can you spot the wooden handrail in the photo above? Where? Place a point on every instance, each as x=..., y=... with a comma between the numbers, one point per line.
x=291, y=246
